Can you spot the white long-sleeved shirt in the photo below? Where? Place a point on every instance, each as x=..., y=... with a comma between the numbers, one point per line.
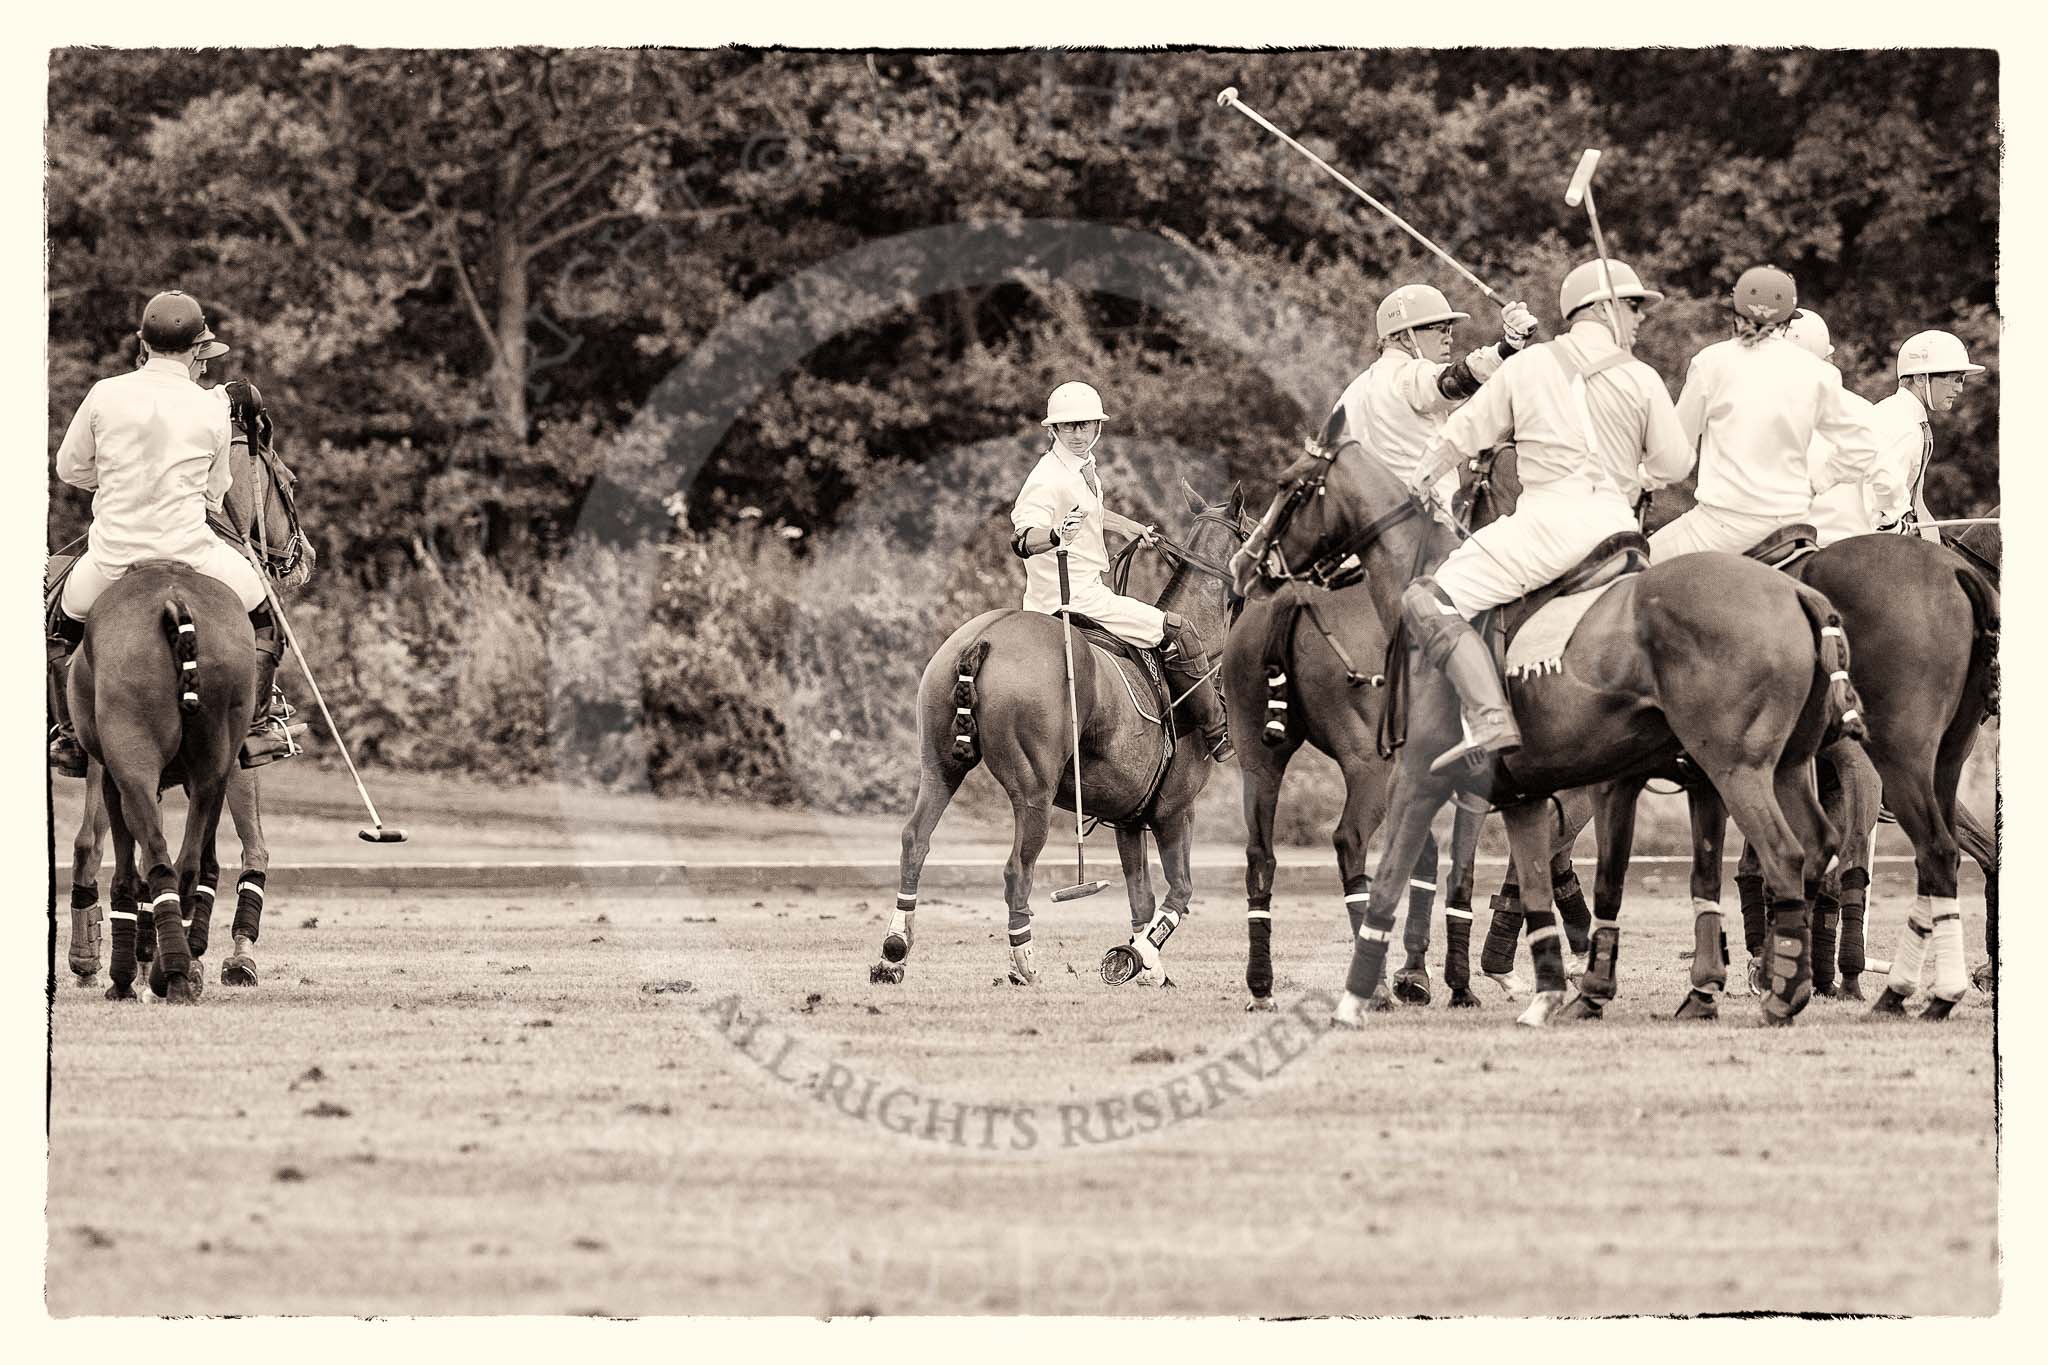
x=1903, y=436
x=152, y=447
x=1055, y=487
x=1753, y=410
x=1395, y=408
x=1850, y=507
x=1532, y=397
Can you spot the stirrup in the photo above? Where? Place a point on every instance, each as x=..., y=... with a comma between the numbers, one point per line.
x=67, y=755
x=1475, y=755
x=272, y=739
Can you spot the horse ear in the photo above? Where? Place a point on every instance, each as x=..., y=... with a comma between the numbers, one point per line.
x=1195, y=502
x=1236, y=504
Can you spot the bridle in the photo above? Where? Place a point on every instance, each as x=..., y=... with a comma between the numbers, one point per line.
x=1178, y=555
x=1338, y=566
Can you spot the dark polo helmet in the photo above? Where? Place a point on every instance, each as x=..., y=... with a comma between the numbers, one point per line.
x=1766, y=295
x=174, y=321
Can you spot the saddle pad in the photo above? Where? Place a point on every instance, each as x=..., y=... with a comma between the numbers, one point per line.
x=1151, y=703
x=1539, y=644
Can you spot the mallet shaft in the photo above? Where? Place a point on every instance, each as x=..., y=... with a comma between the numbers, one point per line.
x=1230, y=100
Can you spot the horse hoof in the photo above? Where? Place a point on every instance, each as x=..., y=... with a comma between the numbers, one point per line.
x=1381, y=1002
x=1984, y=978
x=1780, y=1012
x=1020, y=976
x=1851, y=989
x=881, y=974
x=895, y=948
x=1542, y=1006
x=181, y=990
x=1512, y=985
x=1412, y=987
x=1891, y=1002
x=1155, y=977
x=1938, y=1008
x=121, y=991
x=84, y=979
x=1262, y=1004
x=240, y=970
x=1121, y=965
x=1581, y=1006
x=1349, y=1014
x=1698, y=1005
x=1463, y=999
x=158, y=983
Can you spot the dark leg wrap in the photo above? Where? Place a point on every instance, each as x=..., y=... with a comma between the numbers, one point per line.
x=1258, y=962
x=1855, y=896
x=1497, y=958
x=1368, y=963
x=249, y=906
x=1599, y=981
x=1827, y=919
x=121, y=961
x=1571, y=908
x=84, y=895
x=1458, y=955
x=1547, y=949
x=1750, y=887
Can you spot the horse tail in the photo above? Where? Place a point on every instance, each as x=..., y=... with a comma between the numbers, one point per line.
x=1844, y=707
x=966, y=733
x=1983, y=595
x=185, y=650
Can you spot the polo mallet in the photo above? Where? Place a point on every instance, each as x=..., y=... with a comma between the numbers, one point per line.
x=1082, y=886
x=377, y=833
x=1229, y=100
x=1582, y=188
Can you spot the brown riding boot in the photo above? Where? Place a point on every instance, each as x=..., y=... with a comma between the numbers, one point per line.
x=271, y=736
x=1489, y=720
x=1187, y=669
x=67, y=755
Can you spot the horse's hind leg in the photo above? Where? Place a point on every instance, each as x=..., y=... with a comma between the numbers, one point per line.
x=87, y=848
x=1031, y=808
x=1615, y=804
x=1148, y=937
x=1709, y=819
x=172, y=967
x=937, y=781
x=123, y=894
x=199, y=877
x=1260, y=770
x=1934, y=925
x=1532, y=836
x=246, y=808
x=1575, y=810
x=1765, y=809
x=1411, y=983
x=1365, y=806
x=1983, y=850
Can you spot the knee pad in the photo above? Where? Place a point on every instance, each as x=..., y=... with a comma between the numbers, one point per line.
x=1432, y=620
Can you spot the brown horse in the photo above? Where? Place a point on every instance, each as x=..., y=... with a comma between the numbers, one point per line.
x=166, y=675
x=1294, y=678
x=261, y=513
x=1727, y=662
x=996, y=691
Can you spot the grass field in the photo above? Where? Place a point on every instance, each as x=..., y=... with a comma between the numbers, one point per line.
x=643, y=1105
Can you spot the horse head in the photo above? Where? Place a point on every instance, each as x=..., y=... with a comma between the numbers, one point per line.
x=1333, y=505
x=259, y=510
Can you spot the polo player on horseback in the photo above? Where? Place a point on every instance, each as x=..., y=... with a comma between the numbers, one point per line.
x=153, y=448
x=1753, y=406
x=1585, y=449
x=1398, y=404
x=1062, y=505
x=1932, y=368
x=1850, y=507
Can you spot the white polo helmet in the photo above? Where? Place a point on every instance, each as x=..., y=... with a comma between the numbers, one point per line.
x=1935, y=353
x=1810, y=332
x=1074, y=401
x=1415, y=305
x=1584, y=285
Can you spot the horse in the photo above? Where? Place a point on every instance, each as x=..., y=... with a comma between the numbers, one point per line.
x=165, y=675
x=1923, y=623
x=1725, y=661
x=1292, y=679
x=259, y=512
x=996, y=692
x=1984, y=546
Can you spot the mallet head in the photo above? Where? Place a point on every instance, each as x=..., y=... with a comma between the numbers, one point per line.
x=1228, y=97
x=1074, y=893
x=382, y=834
x=1582, y=178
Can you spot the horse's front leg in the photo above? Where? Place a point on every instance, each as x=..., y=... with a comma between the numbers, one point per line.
x=1465, y=826
x=1414, y=798
x=1615, y=813
x=1151, y=925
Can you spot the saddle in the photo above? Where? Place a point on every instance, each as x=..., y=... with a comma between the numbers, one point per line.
x=1615, y=558
x=1784, y=547
x=1150, y=694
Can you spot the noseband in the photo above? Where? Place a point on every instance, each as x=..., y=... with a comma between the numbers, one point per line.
x=1338, y=566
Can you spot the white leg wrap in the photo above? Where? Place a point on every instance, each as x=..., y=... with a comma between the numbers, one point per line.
x=1905, y=977
x=1951, y=969
x=900, y=922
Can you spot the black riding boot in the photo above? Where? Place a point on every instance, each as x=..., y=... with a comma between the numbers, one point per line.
x=1448, y=641
x=270, y=737
x=67, y=756
x=1187, y=669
